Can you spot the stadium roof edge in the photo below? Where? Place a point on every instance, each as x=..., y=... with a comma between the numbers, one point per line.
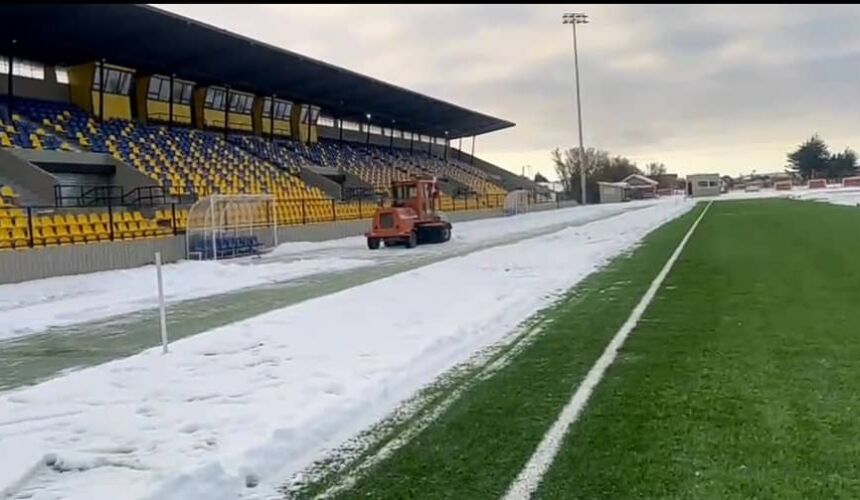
x=211, y=55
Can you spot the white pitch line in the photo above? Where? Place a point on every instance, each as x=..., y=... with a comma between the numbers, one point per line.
x=530, y=477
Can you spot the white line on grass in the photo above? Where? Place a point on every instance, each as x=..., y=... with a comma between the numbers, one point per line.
x=529, y=478
x=515, y=347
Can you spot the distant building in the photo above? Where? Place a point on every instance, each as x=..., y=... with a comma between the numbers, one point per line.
x=553, y=188
x=703, y=185
x=613, y=192
x=666, y=183
x=641, y=187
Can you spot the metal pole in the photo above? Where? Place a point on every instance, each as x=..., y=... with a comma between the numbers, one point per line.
x=340, y=130
x=170, y=106
x=226, y=110
x=272, y=119
x=102, y=91
x=460, y=149
x=275, y=219
x=30, y=224
x=161, y=312
x=110, y=218
x=212, y=224
x=579, y=116
x=411, y=141
x=310, y=112
x=367, y=135
x=391, y=138
x=472, y=160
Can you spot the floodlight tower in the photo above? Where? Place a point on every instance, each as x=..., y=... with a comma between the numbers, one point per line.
x=574, y=18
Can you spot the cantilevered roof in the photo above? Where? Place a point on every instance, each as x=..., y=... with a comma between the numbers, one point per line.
x=151, y=40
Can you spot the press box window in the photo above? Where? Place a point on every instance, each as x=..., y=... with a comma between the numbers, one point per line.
x=116, y=81
x=23, y=68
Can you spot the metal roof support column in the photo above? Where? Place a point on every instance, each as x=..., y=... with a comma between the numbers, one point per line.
x=170, y=106
x=340, y=130
x=472, y=159
x=310, y=113
x=430, y=140
x=102, y=91
x=367, y=134
x=272, y=119
x=226, y=110
x=460, y=149
x=411, y=141
x=391, y=137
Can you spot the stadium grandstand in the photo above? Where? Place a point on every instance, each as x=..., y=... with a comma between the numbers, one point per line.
x=114, y=119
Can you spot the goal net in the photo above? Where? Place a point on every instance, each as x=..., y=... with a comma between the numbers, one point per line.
x=517, y=202
x=227, y=226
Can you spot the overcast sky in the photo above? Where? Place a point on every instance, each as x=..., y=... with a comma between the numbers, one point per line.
x=701, y=88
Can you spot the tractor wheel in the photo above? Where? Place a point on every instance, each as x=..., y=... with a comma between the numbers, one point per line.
x=412, y=242
x=373, y=243
x=446, y=234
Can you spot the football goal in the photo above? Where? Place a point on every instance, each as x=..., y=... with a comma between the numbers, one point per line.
x=227, y=226
x=517, y=202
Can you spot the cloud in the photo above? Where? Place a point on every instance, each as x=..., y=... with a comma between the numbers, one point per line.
x=717, y=87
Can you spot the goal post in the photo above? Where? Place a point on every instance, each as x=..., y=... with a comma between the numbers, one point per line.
x=227, y=226
x=517, y=202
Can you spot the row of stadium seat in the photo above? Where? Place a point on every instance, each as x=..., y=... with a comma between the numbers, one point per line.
x=183, y=161
x=192, y=162
x=59, y=229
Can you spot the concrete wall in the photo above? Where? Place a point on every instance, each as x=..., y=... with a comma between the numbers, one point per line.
x=22, y=169
x=35, y=186
x=314, y=179
x=45, y=90
x=35, y=263
x=23, y=265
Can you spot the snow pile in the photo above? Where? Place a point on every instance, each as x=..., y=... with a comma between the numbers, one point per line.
x=35, y=305
x=839, y=196
x=266, y=396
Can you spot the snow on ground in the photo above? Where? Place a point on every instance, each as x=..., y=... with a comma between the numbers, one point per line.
x=268, y=395
x=841, y=196
x=33, y=306
x=835, y=194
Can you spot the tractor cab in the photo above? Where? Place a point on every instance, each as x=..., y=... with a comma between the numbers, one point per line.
x=412, y=217
x=420, y=196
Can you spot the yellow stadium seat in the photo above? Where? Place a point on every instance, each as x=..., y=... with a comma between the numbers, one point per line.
x=76, y=233
x=89, y=234
x=63, y=236
x=5, y=239
x=101, y=231
x=19, y=238
x=38, y=238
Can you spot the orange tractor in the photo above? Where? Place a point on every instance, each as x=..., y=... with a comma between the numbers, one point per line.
x=412, y=217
